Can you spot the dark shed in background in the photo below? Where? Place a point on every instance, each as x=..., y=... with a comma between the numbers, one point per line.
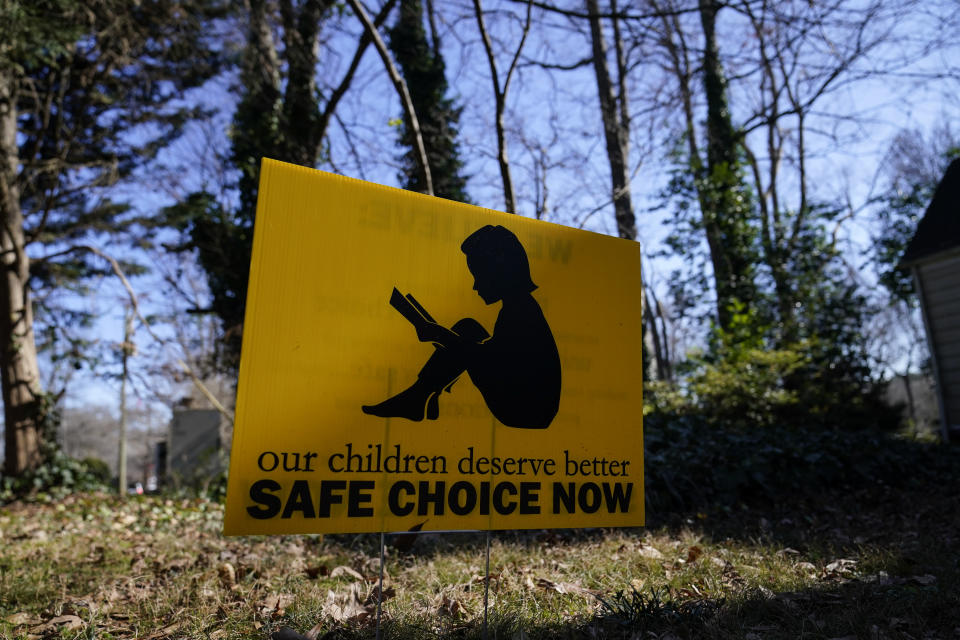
x=933, y=257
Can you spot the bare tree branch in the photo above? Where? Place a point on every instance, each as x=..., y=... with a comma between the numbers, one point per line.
x=341, y=89
x=500, y=97
x=135, y=305
x=401, y=86
x=593, y=12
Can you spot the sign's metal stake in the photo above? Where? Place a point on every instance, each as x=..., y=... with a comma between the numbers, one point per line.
x=486, y=589
x=380, y=588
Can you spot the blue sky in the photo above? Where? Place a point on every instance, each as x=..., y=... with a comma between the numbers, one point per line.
x=552, y=117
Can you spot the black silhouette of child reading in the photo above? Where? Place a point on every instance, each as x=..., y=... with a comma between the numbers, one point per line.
x=517, y=369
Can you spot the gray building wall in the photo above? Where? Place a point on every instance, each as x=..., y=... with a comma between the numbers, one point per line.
x=193, y=446
x=926, y=414
x=939, y=285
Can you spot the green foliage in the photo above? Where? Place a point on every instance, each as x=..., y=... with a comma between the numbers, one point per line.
x=693, y=461
x=106, y=69
x=223, y=242
x=727, y=208
x=425, y=73
x=726, y=204
x=712, y=203
x=99, y=469
x=755, y=388
x=740, y=381
x=279, y=117
x=35, y=31
x=916, y=167
x=636, y=613
x=748, y=389
x=59, y=474
x=746, y=381
x=98, y=90
x=834, y=384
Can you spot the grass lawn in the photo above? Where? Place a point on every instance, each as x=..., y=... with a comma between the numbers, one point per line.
x=875, y=562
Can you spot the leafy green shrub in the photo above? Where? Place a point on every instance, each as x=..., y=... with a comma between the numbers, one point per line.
x=99, y=469
x=747, y=388
x=739, y=381
x=691, y=462
x=58, y=476
x=743, y=381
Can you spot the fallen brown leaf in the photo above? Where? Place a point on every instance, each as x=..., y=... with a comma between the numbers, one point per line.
x=388, y=593
x=348, y=607
x=275, y=606
x=650, y=552
x=82, y=606
x=97, y=555
x=693, y=553
x=452, y=608
x=58, y=624
x=345, y=571
x=562, y=587
x=315, y=632
x=227, y=575
x=22, y=618
x=166, y=632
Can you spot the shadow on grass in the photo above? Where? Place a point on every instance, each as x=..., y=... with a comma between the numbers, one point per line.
x=890, y=610
x=907, y=583
x=890, y=504
x=893, y=609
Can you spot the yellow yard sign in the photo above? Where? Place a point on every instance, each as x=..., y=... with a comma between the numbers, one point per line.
x=414, y=362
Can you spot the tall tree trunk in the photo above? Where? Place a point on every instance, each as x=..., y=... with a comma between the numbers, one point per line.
x=615, y=129
x=127, y=351
x=650, y=312
x=300, y=33
x=18, y=352
x=718, y=131
x=500, y=98
x=729, y=235
x=258, y=114
x=402, y=90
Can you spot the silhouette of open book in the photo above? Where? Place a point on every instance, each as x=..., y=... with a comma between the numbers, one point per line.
x=410, y=309
x=516, y=370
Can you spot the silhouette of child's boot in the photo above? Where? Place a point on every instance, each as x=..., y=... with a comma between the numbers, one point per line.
x=411, y=403
x=423, y=396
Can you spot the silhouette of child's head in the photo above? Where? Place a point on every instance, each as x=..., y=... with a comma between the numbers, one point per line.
x=498, y=263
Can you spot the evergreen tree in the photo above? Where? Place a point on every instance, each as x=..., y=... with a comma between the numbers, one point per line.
x=89, y=91
x=724, y=200
x=916, y=166
x=278, y=116
x=423, y=69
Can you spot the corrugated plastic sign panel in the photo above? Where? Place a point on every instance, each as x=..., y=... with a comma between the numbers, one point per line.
x=410, y=361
